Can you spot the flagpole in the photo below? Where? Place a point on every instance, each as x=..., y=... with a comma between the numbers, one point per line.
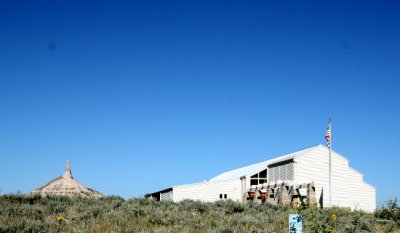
x=330, y=164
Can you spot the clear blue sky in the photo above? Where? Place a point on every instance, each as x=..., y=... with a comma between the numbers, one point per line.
x=143, y=95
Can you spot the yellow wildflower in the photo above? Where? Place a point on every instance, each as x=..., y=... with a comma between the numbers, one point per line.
x=60, y=218
x=248, y=224
x=334, y=217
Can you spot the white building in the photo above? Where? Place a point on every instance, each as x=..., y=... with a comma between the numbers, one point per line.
x=310, y=165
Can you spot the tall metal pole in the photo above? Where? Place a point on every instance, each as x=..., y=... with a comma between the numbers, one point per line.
x=330, y=164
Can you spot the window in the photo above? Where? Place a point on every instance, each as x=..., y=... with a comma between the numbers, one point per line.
x=220, y=196
x=254, y=182
x=262, y=181
x=225, y=196
x=263, y=174
x=259, y=178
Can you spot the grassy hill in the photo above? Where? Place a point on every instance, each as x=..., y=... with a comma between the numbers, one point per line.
x=20, y=213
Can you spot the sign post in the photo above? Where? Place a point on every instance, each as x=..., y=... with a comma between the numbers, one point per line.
x=295, y=223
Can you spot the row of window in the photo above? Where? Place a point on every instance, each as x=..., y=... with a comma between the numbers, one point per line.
x=279, y=171
x=223, y=196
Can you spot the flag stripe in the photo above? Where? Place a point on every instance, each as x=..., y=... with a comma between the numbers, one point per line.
x=328, y=136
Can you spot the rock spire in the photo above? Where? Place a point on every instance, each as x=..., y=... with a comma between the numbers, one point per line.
x=68, y=173
x=66, y=185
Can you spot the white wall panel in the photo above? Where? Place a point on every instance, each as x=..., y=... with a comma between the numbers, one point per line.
x=209, y=191
x=348, y=187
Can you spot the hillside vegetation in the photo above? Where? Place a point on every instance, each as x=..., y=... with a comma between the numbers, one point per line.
x=19, y=213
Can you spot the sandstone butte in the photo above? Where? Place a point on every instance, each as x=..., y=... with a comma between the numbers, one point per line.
x=66, y=185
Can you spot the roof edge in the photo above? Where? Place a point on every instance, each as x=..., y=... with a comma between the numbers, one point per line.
x=272, y=158
x=297, y=156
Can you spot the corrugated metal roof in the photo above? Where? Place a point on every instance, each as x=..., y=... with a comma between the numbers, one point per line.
x=254, y=168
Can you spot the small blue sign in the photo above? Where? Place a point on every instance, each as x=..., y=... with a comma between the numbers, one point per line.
x=295, y=223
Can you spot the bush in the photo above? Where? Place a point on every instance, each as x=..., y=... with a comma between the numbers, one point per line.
x=390, y=210
x=114, y=214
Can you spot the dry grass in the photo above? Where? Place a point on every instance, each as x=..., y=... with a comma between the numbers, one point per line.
x=20, y=213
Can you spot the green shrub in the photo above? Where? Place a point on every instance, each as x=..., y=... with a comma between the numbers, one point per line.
x=20, y=213
x=4, y=228
x=390, y=211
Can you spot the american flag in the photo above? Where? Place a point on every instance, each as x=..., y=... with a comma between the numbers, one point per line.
x=328, y=135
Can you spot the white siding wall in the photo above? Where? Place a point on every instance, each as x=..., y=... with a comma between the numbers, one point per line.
x=348, y=187
x=209, y=191
x=365, y=194
x=368, y=198
x=313, y=167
